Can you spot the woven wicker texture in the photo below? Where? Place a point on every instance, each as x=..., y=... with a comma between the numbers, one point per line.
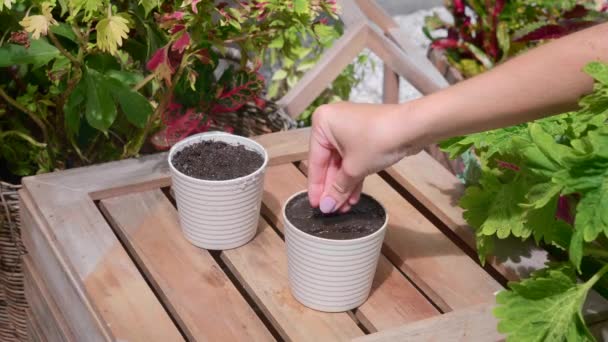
x=13, y=322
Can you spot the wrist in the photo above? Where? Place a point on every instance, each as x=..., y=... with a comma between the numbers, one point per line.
x=410, y=126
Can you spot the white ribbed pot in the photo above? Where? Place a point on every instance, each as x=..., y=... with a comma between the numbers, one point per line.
x=223, y=214
x=331, y=275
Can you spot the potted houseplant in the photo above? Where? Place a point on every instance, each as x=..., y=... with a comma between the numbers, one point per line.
x=218, y=180
x=332, y=259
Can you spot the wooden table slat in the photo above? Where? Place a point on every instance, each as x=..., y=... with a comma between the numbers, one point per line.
x=261, y=267
x=393, y=301
x=87, y=270
x=445, y=272
x=43, y=306
x=468, y=325
x=199, y=295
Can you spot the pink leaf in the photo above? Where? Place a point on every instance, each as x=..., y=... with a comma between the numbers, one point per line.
x=194, y=8
x=177, y=28
x=158, y=57
x=181, y=43
x=563, y=210
x=507, y=165
x=445, y=43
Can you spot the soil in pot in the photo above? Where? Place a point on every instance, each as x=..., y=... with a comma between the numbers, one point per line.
x=365, y=218
x=217, y=160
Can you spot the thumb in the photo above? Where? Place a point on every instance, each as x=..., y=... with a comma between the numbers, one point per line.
x=338, y=192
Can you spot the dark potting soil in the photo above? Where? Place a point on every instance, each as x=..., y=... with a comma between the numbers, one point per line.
x=365, y=218
x=217, y=160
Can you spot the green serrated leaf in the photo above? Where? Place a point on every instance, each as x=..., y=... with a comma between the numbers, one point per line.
x=576, y=248
x=505, y=216
x=592, y=212
x=100, y=108
x=540, y=194
x=546, y=307
x=597, y=70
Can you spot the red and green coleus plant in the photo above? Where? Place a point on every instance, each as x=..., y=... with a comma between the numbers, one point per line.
x=86, y=81
x=546, y=181
x=484, y=33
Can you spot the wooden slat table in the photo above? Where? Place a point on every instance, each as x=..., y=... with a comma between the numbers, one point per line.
x=107, y=261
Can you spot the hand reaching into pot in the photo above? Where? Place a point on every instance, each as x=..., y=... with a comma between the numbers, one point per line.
x=350, y=141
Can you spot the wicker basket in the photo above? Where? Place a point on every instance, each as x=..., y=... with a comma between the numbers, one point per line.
x=13, y=321
x=251, y=120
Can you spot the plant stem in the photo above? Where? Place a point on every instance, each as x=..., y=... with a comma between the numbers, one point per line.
x=32, y=116
x=250, y=36
x=596, y=251
x=62, y=49
x=596, y=277
x=35, y=119
x=145, y=81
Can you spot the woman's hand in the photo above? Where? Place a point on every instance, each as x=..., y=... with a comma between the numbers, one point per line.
x=348, y=142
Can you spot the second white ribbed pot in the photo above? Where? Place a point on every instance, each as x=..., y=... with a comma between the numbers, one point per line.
x=223, y=214
x=331, y=275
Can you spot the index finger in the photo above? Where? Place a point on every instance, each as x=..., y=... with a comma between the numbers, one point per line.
x=319, y=156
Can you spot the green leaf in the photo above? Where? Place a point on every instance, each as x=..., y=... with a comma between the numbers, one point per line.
x=126, y=77
x=597, y=70
x=576, y=248
x=547, y=144
x=300, y=6
x=273, y=90
x=545, y=226
x=89, y=7
x=135, y=106
x=326, y=34
x=505, y=216
x=480, y=55
x=540, y=194
x=434, y=22
x=73, y=108
x=546, y=307
x=592, y=212
x=279, y=75
x=149, y=5
x=504, y=40
x=277, y=43
x=64, y=30
x=306, y=65
x=100, y=108
x=39, y=53
x=234, y=23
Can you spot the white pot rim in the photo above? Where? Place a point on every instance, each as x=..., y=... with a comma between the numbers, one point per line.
x=209, y=136
x=347, y=242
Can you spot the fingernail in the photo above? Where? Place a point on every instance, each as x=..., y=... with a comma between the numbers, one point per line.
x=327, y=205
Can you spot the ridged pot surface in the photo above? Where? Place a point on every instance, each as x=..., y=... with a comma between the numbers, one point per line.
x=223, y=214
x=331, y=275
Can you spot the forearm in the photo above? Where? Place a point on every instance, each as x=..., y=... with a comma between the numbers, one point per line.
x=545, y=81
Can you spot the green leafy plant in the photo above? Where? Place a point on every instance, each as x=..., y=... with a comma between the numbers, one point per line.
x=89, y=81
x=484, y=33
x=546, y=181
